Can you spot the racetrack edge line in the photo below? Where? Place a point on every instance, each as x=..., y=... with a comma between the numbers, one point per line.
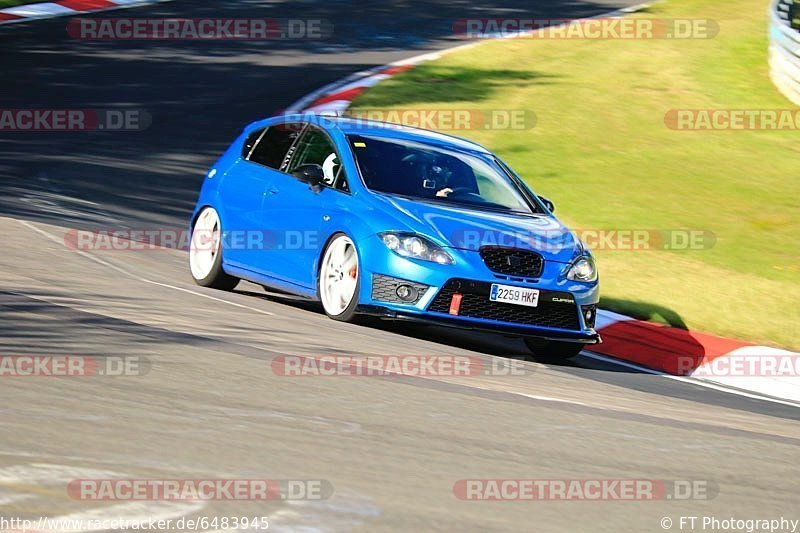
x=139, y=278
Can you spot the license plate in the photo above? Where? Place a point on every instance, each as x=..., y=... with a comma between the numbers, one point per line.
x=514, y=295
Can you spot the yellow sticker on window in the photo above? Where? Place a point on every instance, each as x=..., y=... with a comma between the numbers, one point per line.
x=360, y=145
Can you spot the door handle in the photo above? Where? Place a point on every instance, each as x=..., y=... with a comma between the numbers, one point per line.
x=272, y=190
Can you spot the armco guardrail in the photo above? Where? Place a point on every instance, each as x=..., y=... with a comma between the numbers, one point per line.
x=784, y=47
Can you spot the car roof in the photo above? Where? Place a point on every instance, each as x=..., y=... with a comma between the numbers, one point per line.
x=374, y=128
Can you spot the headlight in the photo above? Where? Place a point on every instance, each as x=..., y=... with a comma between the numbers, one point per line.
x=411, y=245
x=582, y=269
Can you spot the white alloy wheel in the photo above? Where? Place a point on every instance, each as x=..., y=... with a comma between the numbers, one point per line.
x=205, y=252
x=338, y=278
x=205, y=243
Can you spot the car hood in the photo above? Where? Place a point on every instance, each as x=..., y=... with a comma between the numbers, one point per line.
x=469, y=229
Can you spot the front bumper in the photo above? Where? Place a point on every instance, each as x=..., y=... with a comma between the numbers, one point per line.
x=589, y=336
x=565, y=313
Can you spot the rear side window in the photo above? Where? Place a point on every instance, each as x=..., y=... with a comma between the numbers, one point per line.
x=271, y=148
x=315, y=148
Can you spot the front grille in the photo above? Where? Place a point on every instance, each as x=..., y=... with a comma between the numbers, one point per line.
x=555, y=310
x=384, y=289
x=512, y=261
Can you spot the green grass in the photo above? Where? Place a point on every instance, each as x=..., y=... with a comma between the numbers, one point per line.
x=11, y=3
x=601, y=151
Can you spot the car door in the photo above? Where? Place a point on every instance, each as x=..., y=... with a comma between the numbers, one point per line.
x=298, y=209
x=247, y=184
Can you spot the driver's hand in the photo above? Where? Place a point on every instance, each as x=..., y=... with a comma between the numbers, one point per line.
x=444, y=193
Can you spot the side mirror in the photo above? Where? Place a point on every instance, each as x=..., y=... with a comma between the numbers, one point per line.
x=311, y=174
x=548, y=204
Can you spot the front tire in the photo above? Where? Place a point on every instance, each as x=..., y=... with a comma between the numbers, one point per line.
x=552, y=351
x=339, y=279
x=205, y=252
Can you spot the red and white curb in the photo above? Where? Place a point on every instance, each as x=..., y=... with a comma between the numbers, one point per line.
x=335, y=98
x=730, y=365
x=64, y=8
x=700, y=356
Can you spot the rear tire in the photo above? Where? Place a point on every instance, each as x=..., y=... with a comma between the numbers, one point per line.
x=205, y=252
x=552, y=351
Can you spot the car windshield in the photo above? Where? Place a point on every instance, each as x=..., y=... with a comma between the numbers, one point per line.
x=422, y=171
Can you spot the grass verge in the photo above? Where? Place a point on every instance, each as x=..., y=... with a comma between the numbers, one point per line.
x=601, y=151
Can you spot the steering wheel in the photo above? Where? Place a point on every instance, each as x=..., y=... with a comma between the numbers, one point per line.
x=457, y=191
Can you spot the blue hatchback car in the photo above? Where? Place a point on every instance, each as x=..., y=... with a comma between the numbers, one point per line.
x=402, y=223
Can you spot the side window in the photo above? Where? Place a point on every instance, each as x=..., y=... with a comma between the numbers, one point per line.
x=316, y=148
x=273, y=146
